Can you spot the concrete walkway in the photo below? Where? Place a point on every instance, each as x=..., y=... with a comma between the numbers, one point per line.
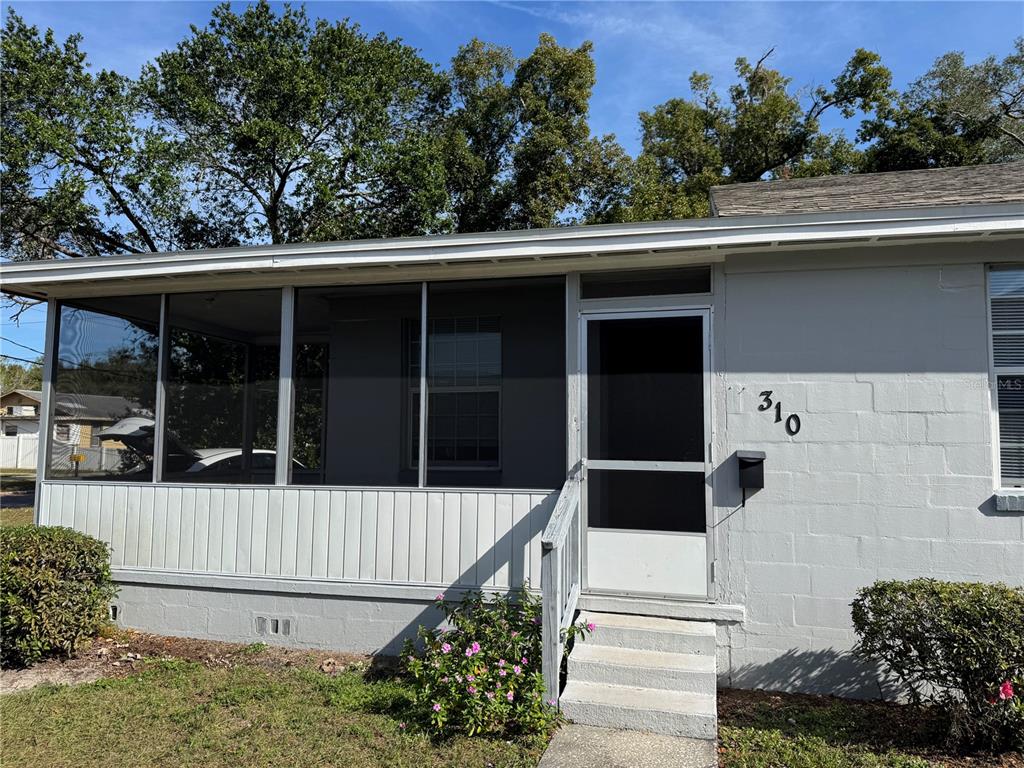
x=576, y=745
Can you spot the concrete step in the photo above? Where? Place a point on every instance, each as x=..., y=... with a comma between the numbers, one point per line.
x=651, y=633
x=684, y=672
x=641, y=709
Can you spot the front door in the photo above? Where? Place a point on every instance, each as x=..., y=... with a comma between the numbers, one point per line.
x=646, y=463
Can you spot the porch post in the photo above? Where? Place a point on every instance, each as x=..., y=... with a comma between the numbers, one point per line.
x=423, y=387
x=572, y=372
x=46, y=402
x=160, y=405
x=286, y=389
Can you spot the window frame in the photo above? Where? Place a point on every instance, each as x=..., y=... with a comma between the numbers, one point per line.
x=414, y=384
x=995, y=373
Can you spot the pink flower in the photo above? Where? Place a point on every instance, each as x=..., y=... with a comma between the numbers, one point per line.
x=471, y=678
x=444, y=679
x=476, y=647
x=517, y=669
x=552, y=702
x=1006, y=690
x=591, y=626
x=446, y=647
x=490, y=694
x=439, y=596
x=502, y=673
x=515, y=633
x=471, y=688
x=509, y=696
x=523, y=661
x=501, y=662
x=436, y=707
x=402, y=726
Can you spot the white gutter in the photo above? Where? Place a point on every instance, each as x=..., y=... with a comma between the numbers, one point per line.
x=744, y=232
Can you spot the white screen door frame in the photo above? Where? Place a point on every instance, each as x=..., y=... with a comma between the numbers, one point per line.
x=643, y=562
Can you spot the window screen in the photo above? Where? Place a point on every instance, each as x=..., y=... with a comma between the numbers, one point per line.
x=645, y=282
x=1006, y=295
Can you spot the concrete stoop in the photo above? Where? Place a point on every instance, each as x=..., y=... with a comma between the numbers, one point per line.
x=644, y=673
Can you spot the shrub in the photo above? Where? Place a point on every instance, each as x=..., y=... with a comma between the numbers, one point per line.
x=957, y=645
x=482, y=674
x=55, y=590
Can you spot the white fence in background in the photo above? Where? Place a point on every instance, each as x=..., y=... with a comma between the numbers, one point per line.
x=96, y=458
x=469, y=538
x=18, y=451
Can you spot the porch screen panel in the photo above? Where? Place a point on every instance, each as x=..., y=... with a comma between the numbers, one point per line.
x=353, y=419
x=105, y=389
x=495, y=384
x=222, y=384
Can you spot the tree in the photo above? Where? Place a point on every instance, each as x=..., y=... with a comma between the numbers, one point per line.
x=76, y=176
x=257, y=128
x=956, y=114
x=297, y=131
x=16, y=375
x=761, y=129
x=520, y=149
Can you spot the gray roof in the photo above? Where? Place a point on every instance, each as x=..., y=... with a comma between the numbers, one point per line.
x=968, y=185
x=72, y=407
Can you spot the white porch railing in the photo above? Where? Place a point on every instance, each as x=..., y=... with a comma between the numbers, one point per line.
x=559, y=579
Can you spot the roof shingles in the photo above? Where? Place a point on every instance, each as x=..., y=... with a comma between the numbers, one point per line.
x=969, y=185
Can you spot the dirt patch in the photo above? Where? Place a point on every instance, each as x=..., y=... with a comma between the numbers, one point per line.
x=126, y=651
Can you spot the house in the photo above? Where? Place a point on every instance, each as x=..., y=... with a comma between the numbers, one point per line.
x=78, y=422
x=704, y=434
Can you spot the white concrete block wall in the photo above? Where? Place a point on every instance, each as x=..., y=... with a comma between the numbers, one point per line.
x=889, y=477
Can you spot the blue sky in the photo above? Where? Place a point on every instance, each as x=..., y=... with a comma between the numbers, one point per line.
x=644, y=52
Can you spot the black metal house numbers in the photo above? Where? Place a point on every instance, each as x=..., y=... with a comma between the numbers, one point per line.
x=792, y=422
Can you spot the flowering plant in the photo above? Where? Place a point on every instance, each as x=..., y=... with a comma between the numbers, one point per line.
x=481, y=673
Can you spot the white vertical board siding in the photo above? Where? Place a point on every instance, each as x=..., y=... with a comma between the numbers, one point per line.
x=406, y=536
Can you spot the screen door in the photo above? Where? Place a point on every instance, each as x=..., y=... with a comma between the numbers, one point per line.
x=645, y=452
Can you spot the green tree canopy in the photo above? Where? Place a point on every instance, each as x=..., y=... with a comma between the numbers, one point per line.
x=266, y=126
x=763, y=127
x=956, y=114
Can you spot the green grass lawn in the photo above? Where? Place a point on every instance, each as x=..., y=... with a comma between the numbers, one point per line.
x=178, y=713
x=15, y=516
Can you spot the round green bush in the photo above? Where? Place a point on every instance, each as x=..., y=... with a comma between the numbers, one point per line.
x=958, y=645
x=55, y=591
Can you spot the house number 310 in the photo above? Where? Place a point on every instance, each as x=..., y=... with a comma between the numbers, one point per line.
x=792, y=422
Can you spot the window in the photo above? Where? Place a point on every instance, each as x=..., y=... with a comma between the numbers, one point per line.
x=222, y=384
x=1006, y=296
x=105, y=388
x=10, y=410
x=645, y=282
x=10, y=430
x=464, y=391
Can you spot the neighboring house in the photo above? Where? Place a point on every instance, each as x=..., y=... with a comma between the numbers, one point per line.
x=77, y=419
x=706, y=434
x=78, y=422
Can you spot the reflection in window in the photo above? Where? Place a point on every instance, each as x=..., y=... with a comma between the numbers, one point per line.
x=105, y=389
x=222, y=384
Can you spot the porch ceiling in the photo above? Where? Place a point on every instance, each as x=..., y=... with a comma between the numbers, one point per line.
x=516, y=253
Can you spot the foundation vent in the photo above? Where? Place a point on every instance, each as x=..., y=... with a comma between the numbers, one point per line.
x=273, y=625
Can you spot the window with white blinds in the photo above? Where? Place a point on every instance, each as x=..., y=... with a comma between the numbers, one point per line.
x=1006, y=297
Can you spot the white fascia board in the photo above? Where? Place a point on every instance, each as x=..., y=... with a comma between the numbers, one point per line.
x=742, y=232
